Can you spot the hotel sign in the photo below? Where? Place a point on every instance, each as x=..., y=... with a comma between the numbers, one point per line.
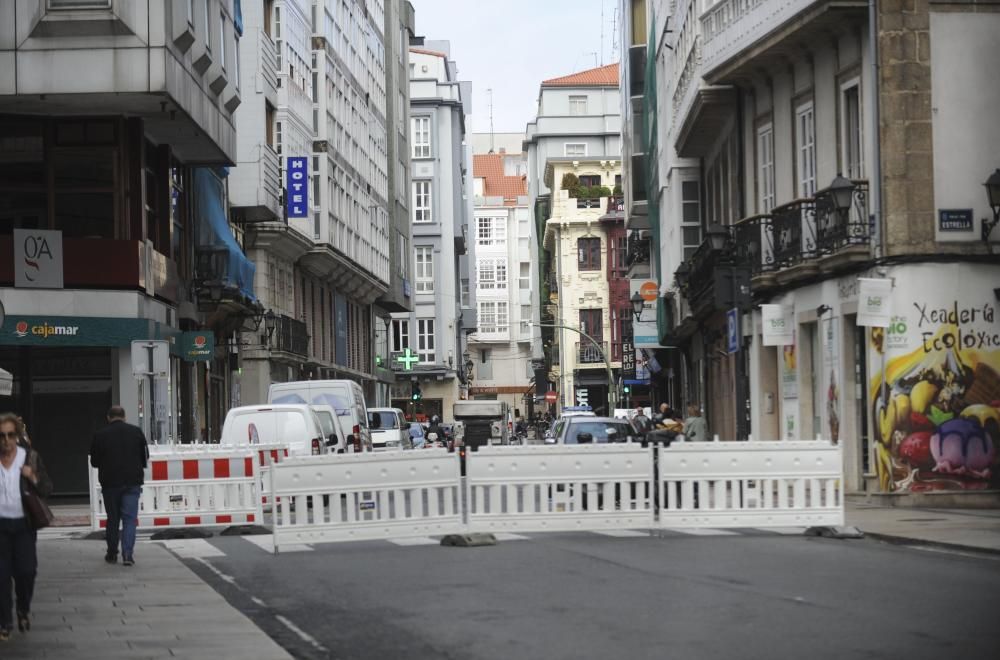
x=297, y=187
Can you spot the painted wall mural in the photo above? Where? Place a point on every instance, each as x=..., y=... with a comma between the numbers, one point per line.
x=935, y=390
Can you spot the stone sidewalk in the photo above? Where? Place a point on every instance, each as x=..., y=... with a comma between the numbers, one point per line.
x=85, y=608
x=972, y=529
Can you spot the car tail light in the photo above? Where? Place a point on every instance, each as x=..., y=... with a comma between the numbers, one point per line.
x=357, y=438
x=316, y=446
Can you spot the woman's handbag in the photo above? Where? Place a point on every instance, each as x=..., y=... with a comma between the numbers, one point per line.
x=37, y=512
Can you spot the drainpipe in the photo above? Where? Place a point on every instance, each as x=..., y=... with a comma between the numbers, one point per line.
x=876, y=183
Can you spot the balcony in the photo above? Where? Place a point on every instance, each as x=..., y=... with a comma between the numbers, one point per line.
x=268, y=62
x=754, y=243
x=290, y=336
x=794, y=226
x=587, y=353
x=637, y=256
x=588, y=203
x=743, y=34
x=616, y=204
x=842, y=237
x=255, y=189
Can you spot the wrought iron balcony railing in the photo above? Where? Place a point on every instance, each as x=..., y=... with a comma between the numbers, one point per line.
x=836, y=229
x=638, y=251
x=587, y=353
x=794, y=228
x=753, y=240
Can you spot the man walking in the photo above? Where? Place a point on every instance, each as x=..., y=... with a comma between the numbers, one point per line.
x=119, y=452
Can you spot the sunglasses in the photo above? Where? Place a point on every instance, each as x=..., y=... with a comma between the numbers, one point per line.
x=13, y=435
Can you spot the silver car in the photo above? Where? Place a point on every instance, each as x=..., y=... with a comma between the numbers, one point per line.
x=592, y=430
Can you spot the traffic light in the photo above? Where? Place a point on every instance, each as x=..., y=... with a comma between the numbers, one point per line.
x=415, y=393
x=627, y=389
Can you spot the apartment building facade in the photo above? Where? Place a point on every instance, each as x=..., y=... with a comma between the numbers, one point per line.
x=504, y=276
x=578, y=118
x=827, y=176
x=116, y=124
x=324, y=133
x=427, y=346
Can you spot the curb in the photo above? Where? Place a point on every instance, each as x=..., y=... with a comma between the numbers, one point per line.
x=904, y=540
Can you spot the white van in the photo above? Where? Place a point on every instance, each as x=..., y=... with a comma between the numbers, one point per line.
x=344, y=396
x=298, y=426
x=390, y=430
x=333, y=430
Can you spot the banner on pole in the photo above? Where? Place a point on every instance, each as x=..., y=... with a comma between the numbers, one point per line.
x=874, y=302
x=777, y=325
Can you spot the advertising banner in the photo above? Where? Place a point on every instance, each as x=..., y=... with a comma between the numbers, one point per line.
x=789, y=371
x=644, y=331
x=38, y=259
x=874, y=302
x=935, y=381
x=777, y=325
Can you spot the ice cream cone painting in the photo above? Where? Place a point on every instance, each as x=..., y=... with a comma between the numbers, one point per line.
x=936, y=408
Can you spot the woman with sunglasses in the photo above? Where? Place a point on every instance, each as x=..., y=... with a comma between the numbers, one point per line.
x=18, y=560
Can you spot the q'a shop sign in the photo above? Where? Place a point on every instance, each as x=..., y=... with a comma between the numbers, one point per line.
x=297, y=186
x=934, y=393
x=777, y=325
x=38, y=259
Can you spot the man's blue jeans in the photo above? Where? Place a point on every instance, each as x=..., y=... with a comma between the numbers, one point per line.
x=122, y=507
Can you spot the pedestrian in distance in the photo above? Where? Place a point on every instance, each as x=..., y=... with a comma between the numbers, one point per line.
x=417, y=435
x=120, y=454
x=641, y=423
x=18, y=537
x=695, y=428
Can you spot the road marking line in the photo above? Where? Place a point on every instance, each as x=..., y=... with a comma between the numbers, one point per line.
x=621, y=533
x=192, y=548
x=222, y=576
x=698, y=531
x=507, y=536
x=303, y=635
x=257, y=601
x=266, y=543
x=417, y=540
x=789, y=531
x=948, y=551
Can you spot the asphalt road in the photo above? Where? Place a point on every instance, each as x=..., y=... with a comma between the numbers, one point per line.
x=573, y=596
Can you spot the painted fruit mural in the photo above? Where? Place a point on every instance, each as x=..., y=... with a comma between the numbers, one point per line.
x=935, y=396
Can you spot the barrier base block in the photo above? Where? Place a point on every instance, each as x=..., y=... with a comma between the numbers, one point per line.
x=181, y=533
x=836, y=532
x=244, y=530
x=469, y=540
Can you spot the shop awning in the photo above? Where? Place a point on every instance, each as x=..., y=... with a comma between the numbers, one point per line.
x=233, y=270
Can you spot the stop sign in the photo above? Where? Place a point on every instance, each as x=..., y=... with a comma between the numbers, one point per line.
x=550, y=397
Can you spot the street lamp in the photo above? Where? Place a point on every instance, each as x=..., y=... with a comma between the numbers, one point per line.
x=270, y=323
x=637, y=304
x=469, y=365
x=717, y=237
x=993, y=195
x=841, y=191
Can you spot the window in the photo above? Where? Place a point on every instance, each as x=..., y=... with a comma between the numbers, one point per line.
x=492, y=273
x=524, y=276
x=850, y=135
x=575, y=149
x=492, y=317
x=616, y=256
x=765, y=168
x=222, y=40
x=526, y=321
x=208, y=24
x=588, y=253
x=805, y=144
x=400, y=335
x=592, y=323
x=425, y=340
x=578, y=105
x=424, y=267
x=590, y=180
x=401, y=266
x=491, y=231
x=421, y=137
x=421, y=201
x=465, y=292
x=690, y=217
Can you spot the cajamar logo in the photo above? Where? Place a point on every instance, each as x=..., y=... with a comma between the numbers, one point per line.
x=44, y=330
x=200, y=341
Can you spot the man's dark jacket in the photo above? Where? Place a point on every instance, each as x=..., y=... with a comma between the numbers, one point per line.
x=119, y=452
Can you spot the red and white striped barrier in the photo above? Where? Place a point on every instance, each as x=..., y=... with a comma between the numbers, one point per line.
x=193, y=488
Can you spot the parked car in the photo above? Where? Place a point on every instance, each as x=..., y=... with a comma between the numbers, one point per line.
x=297, y=425
x=345, y=396
x=579, y=430
x=389, y=427
x=338, y=440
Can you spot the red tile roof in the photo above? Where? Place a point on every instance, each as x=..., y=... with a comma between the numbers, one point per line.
x=602, y=76
x=498, y=184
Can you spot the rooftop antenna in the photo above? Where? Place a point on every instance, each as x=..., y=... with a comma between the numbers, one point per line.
x=492, y=145
x=602, y=33
x=614, y=32
x=594, y=53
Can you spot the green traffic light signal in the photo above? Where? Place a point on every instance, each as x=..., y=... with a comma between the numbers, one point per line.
x=627, y=389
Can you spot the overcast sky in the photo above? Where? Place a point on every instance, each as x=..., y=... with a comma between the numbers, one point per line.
x=512, y=45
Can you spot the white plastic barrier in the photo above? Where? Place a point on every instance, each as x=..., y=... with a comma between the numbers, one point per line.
x=192, y=488
x=267, y=453
x=751, y=484
x=559, y=488
x=347, y=497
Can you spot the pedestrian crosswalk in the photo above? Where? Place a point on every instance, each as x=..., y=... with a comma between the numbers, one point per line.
x=216, y=547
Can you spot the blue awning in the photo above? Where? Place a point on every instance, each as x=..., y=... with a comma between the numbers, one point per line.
x=233, y=270
x=238, y=17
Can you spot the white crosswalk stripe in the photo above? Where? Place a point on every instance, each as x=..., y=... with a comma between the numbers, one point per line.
x=192, y=548
x=698, y=531
x=622, y=533
x=416, y=540
x=787, y=531
x=507, y=536
x=266, y=543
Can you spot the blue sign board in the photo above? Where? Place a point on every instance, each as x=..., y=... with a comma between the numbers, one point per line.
x=340, y=323
x=955, y=219
x=297, y=187
x=733, y=330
